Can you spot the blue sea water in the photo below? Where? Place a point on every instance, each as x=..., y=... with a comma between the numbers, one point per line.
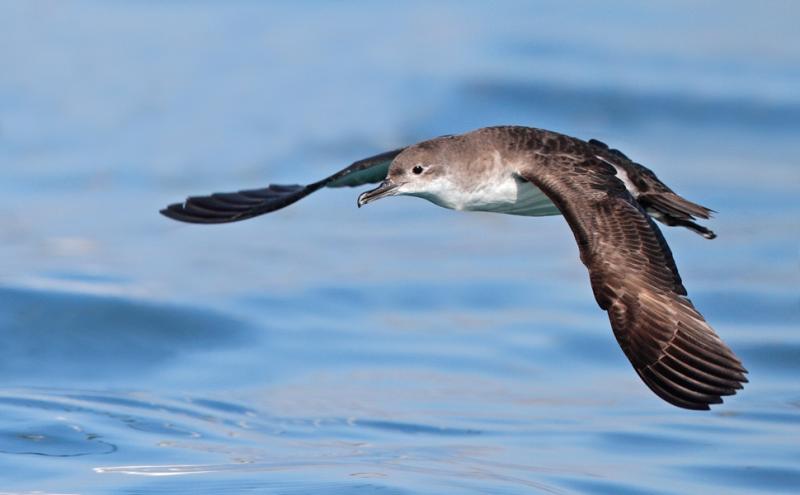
x=400, y=348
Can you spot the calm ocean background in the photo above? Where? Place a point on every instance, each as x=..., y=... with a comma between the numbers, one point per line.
x=401, y=348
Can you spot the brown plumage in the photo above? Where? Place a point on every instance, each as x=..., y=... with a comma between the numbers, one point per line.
x=608, y=201
x=634, y=278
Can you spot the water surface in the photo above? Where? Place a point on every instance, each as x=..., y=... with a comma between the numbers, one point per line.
x=399, y=348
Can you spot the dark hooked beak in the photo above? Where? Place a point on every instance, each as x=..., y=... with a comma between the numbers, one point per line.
x=387, y=188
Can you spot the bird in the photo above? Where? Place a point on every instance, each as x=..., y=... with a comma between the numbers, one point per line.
x=609, y=202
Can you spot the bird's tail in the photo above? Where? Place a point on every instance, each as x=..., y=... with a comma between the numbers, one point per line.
x=661, y=202
x=671, y=209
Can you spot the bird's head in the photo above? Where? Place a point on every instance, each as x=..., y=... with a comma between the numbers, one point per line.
x=423, y=170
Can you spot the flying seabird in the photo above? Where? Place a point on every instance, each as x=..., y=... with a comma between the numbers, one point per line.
x=609, y=202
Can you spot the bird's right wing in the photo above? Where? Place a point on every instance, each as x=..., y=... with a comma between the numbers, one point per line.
x=634, y=278
x=241, y=205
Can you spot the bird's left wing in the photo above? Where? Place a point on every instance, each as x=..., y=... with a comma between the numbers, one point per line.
x=241, y=205
x=634, y=278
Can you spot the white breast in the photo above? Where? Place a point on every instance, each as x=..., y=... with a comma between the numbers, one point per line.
x=503, y=194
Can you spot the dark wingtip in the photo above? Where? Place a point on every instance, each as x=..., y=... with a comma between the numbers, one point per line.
x=171, y=211
x=233, y=207
x=179, y=212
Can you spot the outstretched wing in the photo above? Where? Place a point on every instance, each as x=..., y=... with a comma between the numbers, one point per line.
x=235, y=206
x=634, y=278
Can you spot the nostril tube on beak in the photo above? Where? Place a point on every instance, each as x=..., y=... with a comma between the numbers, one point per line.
x=387, y=188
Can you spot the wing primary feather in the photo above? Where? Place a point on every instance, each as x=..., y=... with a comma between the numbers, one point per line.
x=225, y=207
x=634, y=278
x=652, y=381
x=670, y=372
x=678, y=390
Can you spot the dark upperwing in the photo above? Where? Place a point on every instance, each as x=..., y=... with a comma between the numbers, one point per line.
x=241, y=205
x=634, y=278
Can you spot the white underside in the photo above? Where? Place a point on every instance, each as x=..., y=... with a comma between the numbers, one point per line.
x=502, y=192
x=507, y=195
x=526, y=199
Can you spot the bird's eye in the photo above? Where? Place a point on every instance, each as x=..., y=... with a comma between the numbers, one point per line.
x=417, y=170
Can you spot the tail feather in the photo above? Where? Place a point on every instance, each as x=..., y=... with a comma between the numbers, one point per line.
x=671, y=209
x=661, y=202
x=671, y=204
x=673, y=221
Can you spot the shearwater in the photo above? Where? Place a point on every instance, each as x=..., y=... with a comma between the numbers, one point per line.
x=609, y=202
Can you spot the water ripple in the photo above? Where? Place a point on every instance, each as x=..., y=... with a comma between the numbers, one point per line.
x=54, y=440
x=750, y=477
x=629, y=108
x=57, y=336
